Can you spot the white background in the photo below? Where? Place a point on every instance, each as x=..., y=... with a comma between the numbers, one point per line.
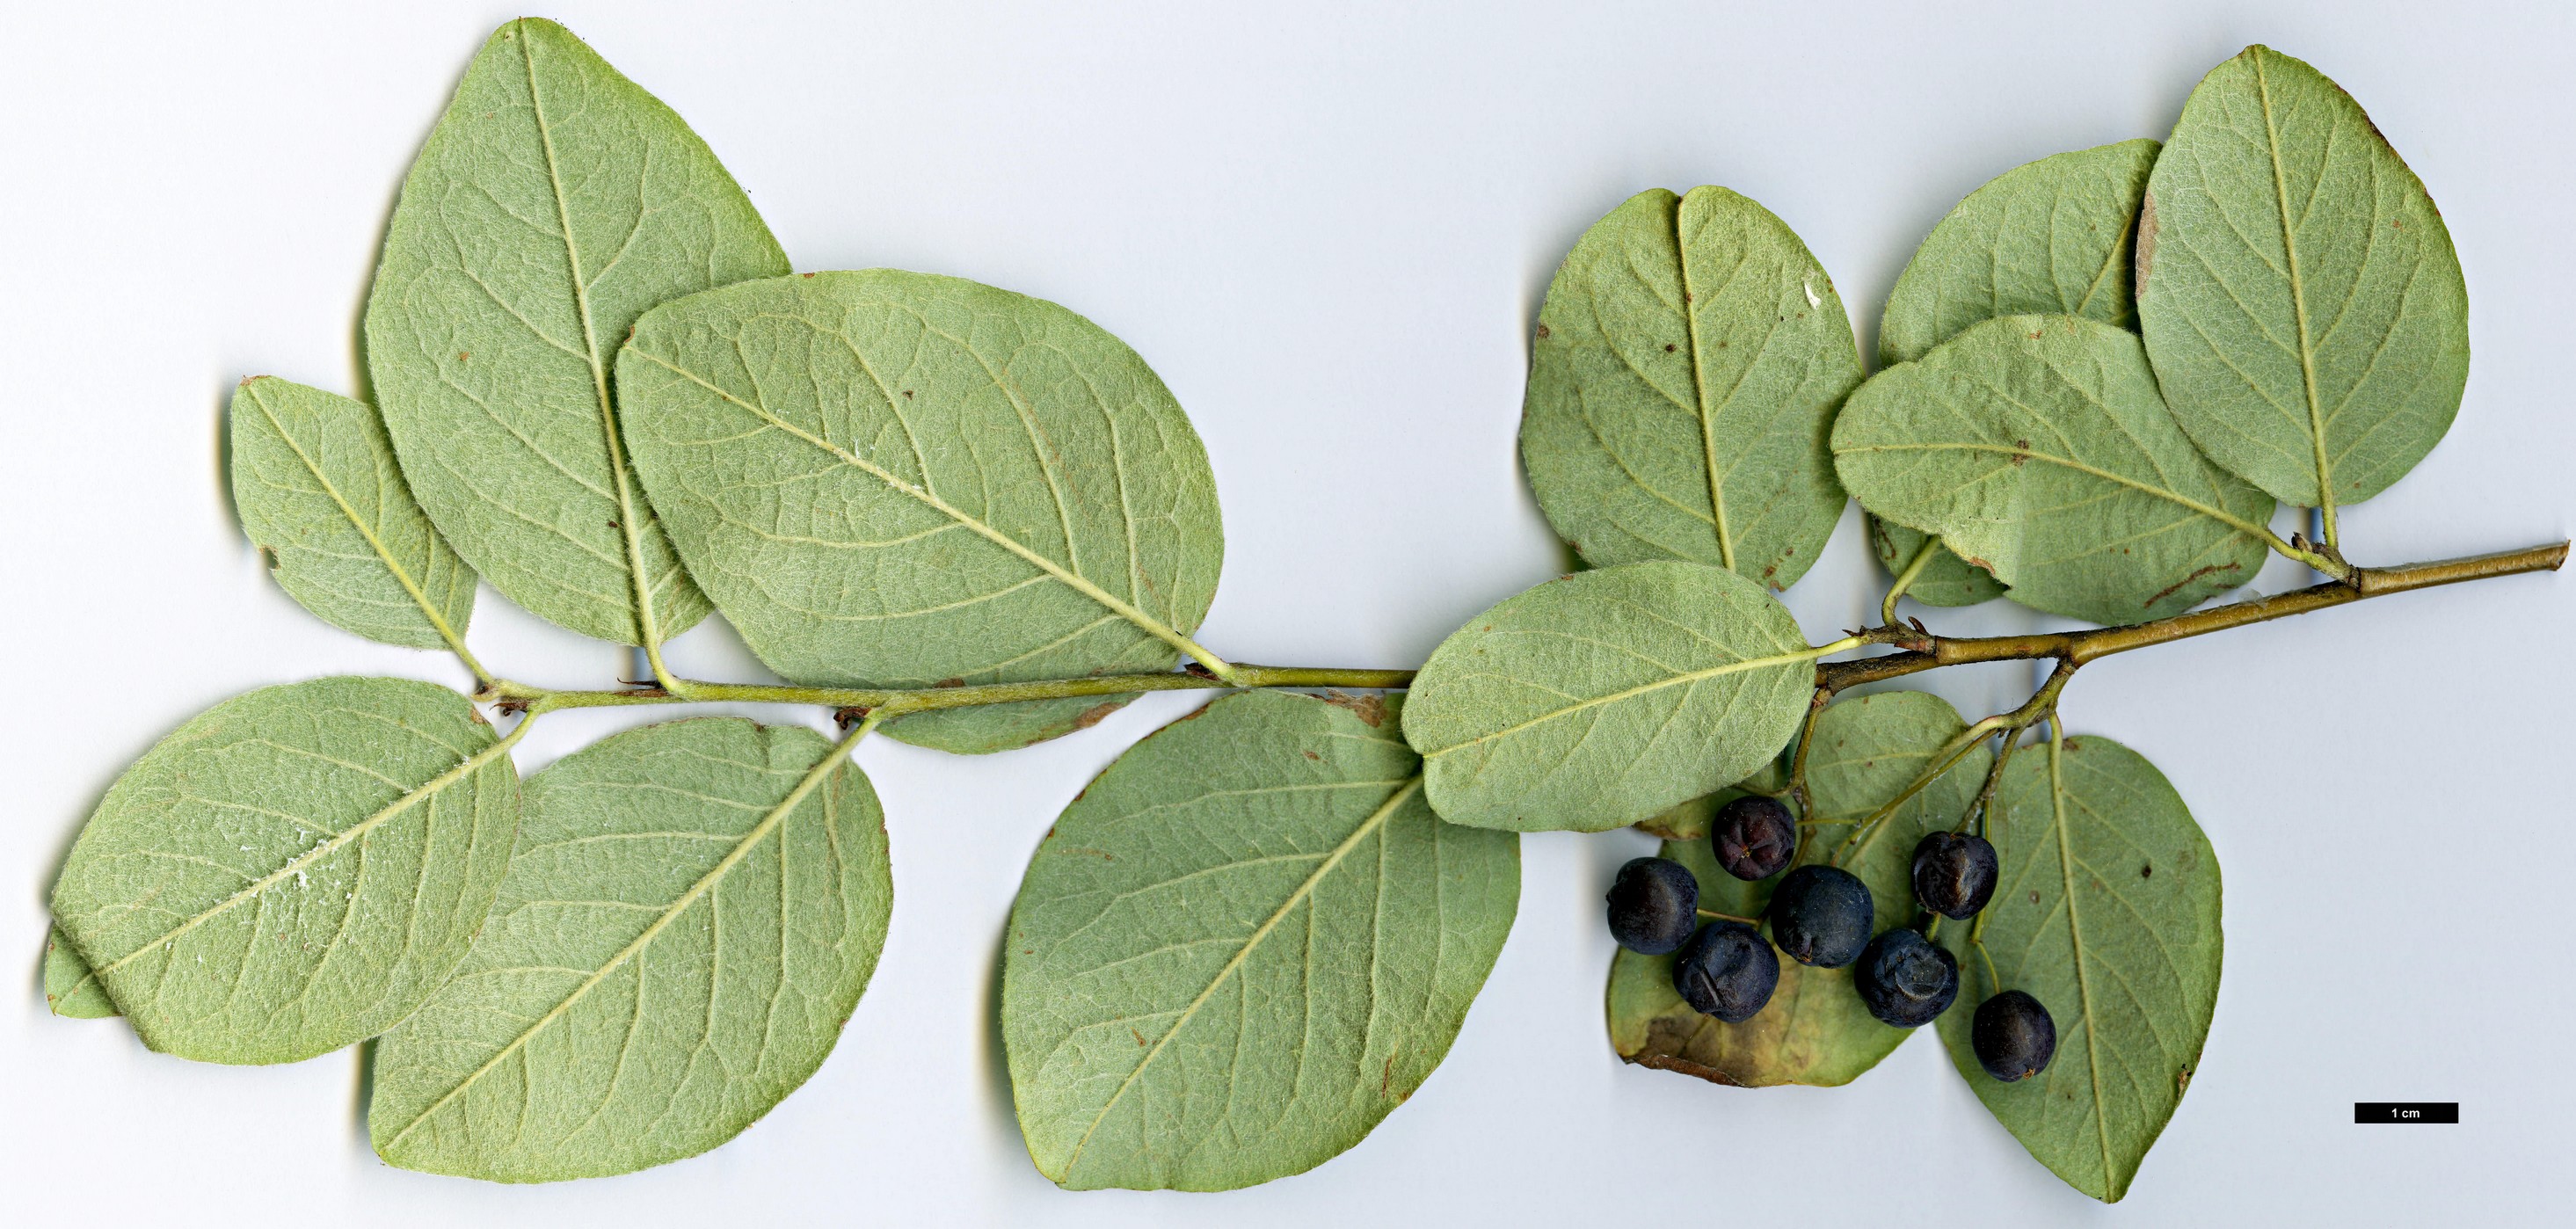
x=1328, y=226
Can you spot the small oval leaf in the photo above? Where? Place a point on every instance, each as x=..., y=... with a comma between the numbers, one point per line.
x=294, y=870
x=693, y=912
x=897, y=479
x=2107, y=910
x=2298, y=290
x=1815, y=1030
x=1689, y=358
x=319, y=492
x=1242, y=946
x=70, y=988
x=554, y=202
x=1600, y=699
x=2038, y=448
x=1947, y=580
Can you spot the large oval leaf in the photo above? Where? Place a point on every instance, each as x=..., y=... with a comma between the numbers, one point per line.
x=319, y=493
x=2107, y=911
x=897, y=479
x=1241, y=947
x=2037, y=447
x=1815, y=1030
x=1688, y=362
x=554, y=202
x=692, y=914
x=2298, y=290
x=294, y=870
x=1602, y=698
x=2050, y=237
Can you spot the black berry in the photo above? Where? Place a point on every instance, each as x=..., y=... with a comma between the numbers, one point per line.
x=1954, y=875
x=1821, y=916
x=1726, y=971
x=2014, y=1036
x=1654, y=903
x=1754, y=837
x=1905, y=980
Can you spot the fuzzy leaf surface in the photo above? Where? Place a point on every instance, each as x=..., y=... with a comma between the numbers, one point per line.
x=693, y=912
x=2038, y=448
x=897, y=479
x=2299, y=292
x=1947, y=580
x=2050, y=237
x=554, y=202
x=2107, y=911
x=1689, y=359
x=70, y=990
x=320, y=494
x=1241, y=947
x=294, y=870
x=1814, y=1031
x=1600, y=699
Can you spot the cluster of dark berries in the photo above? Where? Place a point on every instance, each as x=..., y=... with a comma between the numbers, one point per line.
x=1822, y=916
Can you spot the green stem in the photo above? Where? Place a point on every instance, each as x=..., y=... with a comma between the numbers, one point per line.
x=1905, y=579
x=1729, y=917
x=896, y=702
x=2039, y=706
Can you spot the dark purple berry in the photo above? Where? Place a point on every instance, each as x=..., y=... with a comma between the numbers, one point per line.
x=1754, y=836
x=1954, y=875
x=2014, y=1036
x=1726, y=971
x=1821, y=916
x=1654, y=904
x=1905, y=980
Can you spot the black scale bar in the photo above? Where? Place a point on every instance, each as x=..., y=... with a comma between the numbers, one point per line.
x=2406, y=1111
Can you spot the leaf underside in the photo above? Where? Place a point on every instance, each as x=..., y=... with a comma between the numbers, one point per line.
x=2298, y=290
x=1947, y=580
x=1600, y=699
x=902, y=480
x=2107, y=911
x=294, y=870
x=70, y=990
x=693, y=912
x=553, y=204
x=1241, y=947
x=2037, y=447
x=1682, y=386
x=319, y=493
x=1814, y=1031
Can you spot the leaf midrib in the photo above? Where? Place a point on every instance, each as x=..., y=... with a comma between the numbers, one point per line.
x=1733, y=667
x=1376, y=820
x=1700, y=391
x=2230, y=519
x=2075, y=946
x=769, y=823
x=2298, y=292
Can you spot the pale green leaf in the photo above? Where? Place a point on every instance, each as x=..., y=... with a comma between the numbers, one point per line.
x=692, y=914
x=2050, y=237
x=2037, y=447
x=1689, y=358
x=2298, y=290
x=1815, y=1030
x=1241, y=947
x=1947, y=580
x=554, y=202
x=2107, y=911
x=1602, y=698
x=901, y=480
x=294, y=870
x=319, y=493
x=70, y=990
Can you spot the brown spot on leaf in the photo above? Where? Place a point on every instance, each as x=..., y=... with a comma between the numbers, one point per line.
x=1141, y=1043
x=2018, y=458
x=1370, y=709
x=463, y=355
x=268, y=555
x=2145, y=257
x=907, y=394
x=2182, y=1082
x=2196, y=574
x=1312, y=756
x=2034, y=897
x=1091, y=716
x=2146, y=870
x=950, y=682
x=1088, y=852
x=1670, y=347
x=808, y=275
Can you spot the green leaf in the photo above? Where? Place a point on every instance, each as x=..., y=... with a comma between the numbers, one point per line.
x=692, y=914
x=70, y=990
x=2298, y=290
x=2037, y=447
x=294, y=870
x=1815, y=1030
x=1241, y=947
x=2107, y=911
x=319, y=493
x=1947, y=580
x=2051, y=237
x=554, y=202
x=1688, y=362
x=1602, y=698
x=896, y=479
